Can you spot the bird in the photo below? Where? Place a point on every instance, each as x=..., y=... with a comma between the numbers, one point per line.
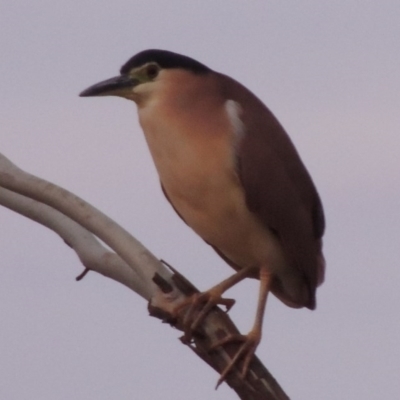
x=231, y=172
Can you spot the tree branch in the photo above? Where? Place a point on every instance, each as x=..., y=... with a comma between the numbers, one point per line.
x=79, y=224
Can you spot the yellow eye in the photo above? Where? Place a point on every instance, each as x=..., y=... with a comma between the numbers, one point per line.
x=152, y=71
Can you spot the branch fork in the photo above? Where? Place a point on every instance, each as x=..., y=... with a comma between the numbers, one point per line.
x=81, y=226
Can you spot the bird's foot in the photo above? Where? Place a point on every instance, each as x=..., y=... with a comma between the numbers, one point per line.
x=243, y=356
x=196, y=309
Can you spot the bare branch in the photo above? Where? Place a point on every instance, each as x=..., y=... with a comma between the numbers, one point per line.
x=93, y=255
x=77, y=222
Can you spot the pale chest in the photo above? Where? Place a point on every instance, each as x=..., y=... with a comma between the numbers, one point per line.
x=194, y=154
x=195, y=161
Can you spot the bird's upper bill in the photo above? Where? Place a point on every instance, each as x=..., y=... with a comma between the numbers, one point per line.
x=117, y=86
x=125, y=85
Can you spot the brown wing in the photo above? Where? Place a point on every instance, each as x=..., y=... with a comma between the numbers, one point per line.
x=278, y=187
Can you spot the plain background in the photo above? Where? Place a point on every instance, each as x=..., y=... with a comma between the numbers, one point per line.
x=330, y=73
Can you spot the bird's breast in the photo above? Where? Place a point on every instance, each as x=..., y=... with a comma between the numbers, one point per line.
x=195, y=160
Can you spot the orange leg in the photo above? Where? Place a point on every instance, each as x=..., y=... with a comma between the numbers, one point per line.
x=201, y=303
x=253, y=338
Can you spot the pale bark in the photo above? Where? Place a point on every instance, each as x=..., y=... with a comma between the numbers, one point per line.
x=80, y=225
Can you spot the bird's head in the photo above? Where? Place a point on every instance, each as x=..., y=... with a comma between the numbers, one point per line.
x=142, y=73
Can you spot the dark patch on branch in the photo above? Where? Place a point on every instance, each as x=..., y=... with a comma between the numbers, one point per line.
x=163, y=285
x=186, y=287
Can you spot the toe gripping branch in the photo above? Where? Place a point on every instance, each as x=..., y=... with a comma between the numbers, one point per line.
x=210, y=341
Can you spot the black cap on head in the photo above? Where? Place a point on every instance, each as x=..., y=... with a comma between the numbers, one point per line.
x=165, y=59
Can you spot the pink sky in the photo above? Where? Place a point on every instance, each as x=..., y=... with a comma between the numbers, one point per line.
x=330, y=73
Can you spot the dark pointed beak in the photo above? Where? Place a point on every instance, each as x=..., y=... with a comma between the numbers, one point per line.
x=117, y=86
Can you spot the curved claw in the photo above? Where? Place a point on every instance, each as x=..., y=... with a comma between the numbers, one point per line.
x=245, y=352
x=202, y=304
x=210, y=302
x=210, y=299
